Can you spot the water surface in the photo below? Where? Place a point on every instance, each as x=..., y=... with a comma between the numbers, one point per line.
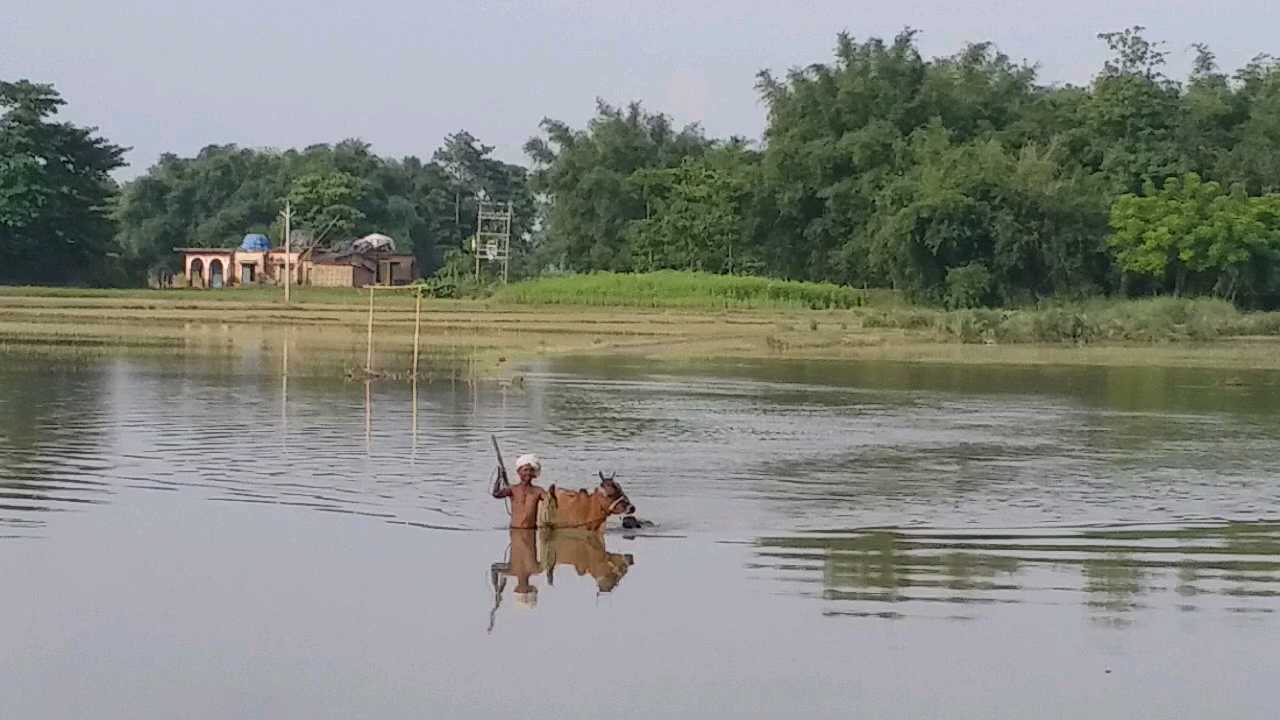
x=195, y=536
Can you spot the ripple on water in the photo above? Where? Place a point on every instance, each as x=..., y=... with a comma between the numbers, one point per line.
x=733, y=454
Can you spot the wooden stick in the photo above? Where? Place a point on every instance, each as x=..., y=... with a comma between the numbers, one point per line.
x=417, y=326
x=502, y=467
x=284, y=395
x=368, y=360
x=368, y=416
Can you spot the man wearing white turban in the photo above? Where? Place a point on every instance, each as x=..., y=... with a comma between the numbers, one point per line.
x=525, y=496
x=533, y=462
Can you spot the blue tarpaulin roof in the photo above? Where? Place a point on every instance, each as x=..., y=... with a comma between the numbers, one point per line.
x=254, y=242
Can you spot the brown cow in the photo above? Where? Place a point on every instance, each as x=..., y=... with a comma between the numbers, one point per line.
x=570, y=509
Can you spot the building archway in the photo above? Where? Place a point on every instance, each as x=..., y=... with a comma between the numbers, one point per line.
x=195, y=276
x=215, y=273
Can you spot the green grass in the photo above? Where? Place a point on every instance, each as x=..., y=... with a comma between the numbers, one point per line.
x=675, y=289
x=1151, y=320
x=1099, y=320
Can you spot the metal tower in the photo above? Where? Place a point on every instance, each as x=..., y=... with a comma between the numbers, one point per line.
x=492, y=241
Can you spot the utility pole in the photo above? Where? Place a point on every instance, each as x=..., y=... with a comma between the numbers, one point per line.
x=506, y=247
x=288, y=216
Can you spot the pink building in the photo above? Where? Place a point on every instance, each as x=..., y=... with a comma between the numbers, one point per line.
x=228, y=267
x=370, y=260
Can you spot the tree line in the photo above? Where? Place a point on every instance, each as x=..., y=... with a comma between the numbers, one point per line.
x=337, y=192
x=962, y=180
x=64, y=220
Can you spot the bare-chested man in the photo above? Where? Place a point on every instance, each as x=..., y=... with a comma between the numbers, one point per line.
x=525, y=496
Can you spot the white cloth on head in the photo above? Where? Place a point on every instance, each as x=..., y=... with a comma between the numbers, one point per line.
x=531, y=460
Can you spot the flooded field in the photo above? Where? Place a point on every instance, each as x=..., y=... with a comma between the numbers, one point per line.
x=196, y=536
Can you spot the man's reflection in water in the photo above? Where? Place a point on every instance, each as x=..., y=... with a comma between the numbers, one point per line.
x=534, y=552
x=523, y=565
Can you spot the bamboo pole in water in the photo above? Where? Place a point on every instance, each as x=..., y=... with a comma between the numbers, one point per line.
x=368, y=417
x=417, y=328
x=368, y=359
x=417, y=325
x=284, y=395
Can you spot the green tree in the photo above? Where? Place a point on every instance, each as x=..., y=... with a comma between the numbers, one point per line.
x=55, y=190
x=976, y=223
x=839, y=134
x=694, y=222
x=326, y=204
x=214, y=198
x=1212, y=112
x=210, y=200
x=1194, y=236
x=1131, y=118
x=585, y=180
x=1249, y=157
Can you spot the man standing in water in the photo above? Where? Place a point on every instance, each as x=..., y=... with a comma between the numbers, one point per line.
x=525, y=496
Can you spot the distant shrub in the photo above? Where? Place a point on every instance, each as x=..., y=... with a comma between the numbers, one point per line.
x=968, y=286
x=1260, y=324
x=905, y=318
x=1146, y=321
x=977, y=326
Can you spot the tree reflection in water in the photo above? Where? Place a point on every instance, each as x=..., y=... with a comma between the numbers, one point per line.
x=1115, y=573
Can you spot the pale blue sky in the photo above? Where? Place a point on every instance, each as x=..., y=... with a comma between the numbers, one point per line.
x=160, y=75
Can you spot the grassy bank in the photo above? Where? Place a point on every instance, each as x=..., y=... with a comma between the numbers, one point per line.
x=618, y=296
x=1154, y=320
x=683, y=290
x=663, y=289
x=740, y=319
x=1101, y=320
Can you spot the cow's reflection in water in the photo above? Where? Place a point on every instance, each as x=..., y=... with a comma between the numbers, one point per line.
x=535, y=552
